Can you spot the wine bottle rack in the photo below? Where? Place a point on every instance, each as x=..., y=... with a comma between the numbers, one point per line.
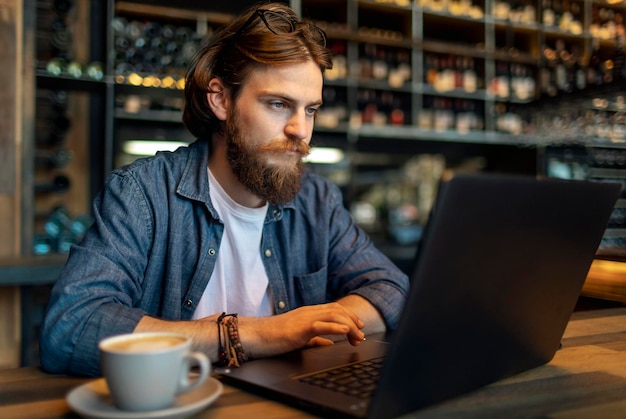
x=422, y=75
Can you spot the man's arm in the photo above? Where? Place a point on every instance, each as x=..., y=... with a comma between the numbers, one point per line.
x=273, y=335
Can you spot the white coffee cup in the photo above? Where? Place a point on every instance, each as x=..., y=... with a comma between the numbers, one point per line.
x=145, y=371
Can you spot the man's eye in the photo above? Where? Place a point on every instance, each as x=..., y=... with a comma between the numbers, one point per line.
x=312, y=111
x=277, y=105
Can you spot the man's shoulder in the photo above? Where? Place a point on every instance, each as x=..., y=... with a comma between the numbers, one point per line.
x=314, y=182
x=316, y=188
x=161, y=161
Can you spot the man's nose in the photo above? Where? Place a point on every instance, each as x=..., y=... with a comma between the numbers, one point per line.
x=298, y=125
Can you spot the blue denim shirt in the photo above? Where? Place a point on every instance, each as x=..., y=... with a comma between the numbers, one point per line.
x=154, y=244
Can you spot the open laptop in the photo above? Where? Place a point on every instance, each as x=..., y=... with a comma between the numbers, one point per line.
x=495, y=280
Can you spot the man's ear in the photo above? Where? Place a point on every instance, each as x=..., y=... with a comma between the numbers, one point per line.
x=218, y=99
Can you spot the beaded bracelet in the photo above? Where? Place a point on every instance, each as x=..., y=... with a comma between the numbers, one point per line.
x=230, y=351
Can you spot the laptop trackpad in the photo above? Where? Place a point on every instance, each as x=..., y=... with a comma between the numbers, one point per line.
x=301, y=362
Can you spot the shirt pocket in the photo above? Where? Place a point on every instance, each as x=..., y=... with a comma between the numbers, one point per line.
x=312, y=286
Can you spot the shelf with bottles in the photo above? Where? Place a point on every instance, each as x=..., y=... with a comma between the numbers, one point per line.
x=60, y=167
x=381, y=108
x=513, y=82
x=459, y=9
x=522, y=14
x=153, y=44
x=96, y=83
x=154, y=53
x=330, y=15
x=339, y=71
x=334, y=113
x=565, y=68
x=387, y=46
x=148, y=103
x=595, y=118
x=605, y=121
x=57, y=25
x=515, y=120
x=69, y=118
x=516, y=44
x=563, y=16
x=436, y=30
x=384, y=23
x=579, y=161
x=461, y=116
x=453, y=75
x=606, y=20
x=384, y=67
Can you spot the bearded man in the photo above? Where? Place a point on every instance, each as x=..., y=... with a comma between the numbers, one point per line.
x=232, y=223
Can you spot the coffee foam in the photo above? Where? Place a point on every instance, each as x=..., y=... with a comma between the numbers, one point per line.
x=144, y=343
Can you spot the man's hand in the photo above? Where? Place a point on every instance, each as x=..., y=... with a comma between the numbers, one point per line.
x=304, y=326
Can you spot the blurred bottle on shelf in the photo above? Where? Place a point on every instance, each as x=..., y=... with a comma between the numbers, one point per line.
x=500, y=86
x=53, y=159
x=548, y=13
x=469, y=75
x=443, y=115
x=58, y=221
x=522, y=11
x=522, y=82
x=334, y=110
x=56, y=66
x=510, y=119
x=561, y=67
x=53, y=122
x=466, y=117
x=572, y=17
x=95, y=71
x=579, y=72
x=58, y=184
x=52, y=130
x=447, y=114
x=60, y=231
x=400, y=68
x=75, y=69
x=619, y=57
x=340, y=62
x=380, y=66
x=594, y=69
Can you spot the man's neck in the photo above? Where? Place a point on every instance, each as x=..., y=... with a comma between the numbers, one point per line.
x=223, y=173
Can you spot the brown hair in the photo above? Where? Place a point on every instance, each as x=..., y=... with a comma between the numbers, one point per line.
x=243, y=44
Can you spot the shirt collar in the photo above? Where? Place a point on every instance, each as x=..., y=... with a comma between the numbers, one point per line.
x=194, y=182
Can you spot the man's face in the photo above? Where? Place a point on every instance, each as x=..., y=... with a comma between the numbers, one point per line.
x=270, y=128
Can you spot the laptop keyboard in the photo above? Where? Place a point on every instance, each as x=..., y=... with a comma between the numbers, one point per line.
x=357, y=380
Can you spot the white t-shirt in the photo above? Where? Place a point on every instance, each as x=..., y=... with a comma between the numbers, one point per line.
x=239, y=283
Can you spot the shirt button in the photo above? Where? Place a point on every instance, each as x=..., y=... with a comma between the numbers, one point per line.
x=188, y=303
x=281, y=305
x=212, y=252
x=268, y=252
x=276, y=213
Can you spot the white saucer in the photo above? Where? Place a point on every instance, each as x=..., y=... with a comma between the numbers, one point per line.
x=93, y=401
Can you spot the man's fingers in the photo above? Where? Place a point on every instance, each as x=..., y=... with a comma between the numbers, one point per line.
x=319, y=341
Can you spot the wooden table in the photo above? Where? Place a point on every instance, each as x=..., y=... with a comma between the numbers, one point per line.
x=586, y=379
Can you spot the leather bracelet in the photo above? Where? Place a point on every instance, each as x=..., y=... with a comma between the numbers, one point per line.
x=230, y=350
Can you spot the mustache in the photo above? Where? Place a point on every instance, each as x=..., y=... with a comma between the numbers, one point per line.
x=300, y=147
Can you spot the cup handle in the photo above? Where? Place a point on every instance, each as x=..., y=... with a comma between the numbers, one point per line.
x=187, y=383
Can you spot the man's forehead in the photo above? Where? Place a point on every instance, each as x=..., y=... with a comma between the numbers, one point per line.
x=297, y=82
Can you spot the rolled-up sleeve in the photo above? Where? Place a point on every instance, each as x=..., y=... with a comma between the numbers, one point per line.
x=97, y=292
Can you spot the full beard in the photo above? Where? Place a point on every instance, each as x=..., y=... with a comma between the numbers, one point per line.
x=277, y=184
